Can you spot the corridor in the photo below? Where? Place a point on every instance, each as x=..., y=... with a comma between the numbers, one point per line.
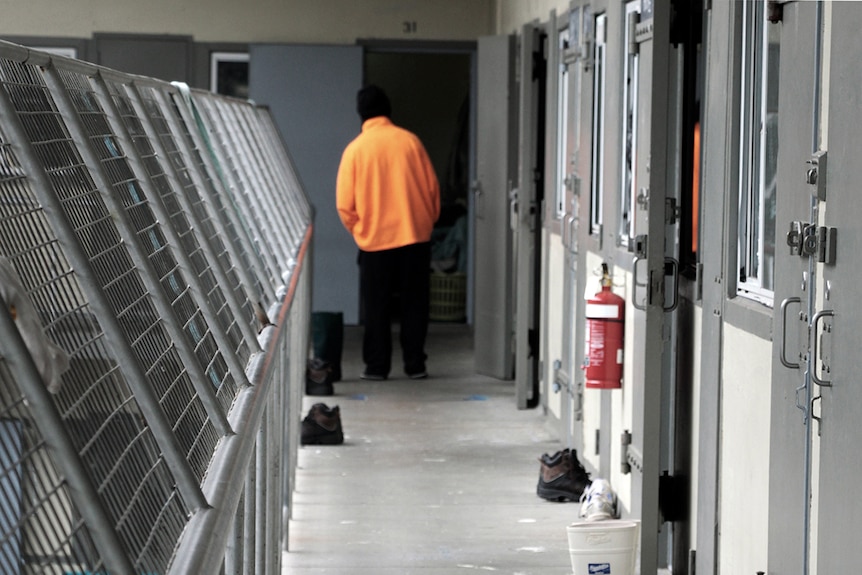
x=434, y=477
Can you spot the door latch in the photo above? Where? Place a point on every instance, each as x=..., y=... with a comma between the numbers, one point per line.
x=808, y=240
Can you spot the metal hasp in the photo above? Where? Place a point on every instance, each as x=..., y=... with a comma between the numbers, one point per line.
x=815, y=175
x=806, y=240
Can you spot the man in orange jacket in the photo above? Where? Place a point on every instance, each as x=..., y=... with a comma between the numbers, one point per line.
x=388, y=198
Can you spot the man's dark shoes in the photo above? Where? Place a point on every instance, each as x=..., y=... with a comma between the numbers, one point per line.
x=371, y=376
x=562, y=477
x=322, y=426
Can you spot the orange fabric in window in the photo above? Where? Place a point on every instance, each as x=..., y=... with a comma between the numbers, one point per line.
x=695, y=191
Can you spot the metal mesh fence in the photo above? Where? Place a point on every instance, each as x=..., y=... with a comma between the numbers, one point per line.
x=154, y=312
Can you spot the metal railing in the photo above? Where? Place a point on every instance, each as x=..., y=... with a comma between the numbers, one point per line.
x=153, y=326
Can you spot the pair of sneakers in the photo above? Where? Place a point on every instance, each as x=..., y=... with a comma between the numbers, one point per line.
x=563, y=478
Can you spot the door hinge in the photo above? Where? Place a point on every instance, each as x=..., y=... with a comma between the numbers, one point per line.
x=672, y=211
x=625, y=442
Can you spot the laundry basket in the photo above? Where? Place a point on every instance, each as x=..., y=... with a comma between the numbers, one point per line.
x=448, y=296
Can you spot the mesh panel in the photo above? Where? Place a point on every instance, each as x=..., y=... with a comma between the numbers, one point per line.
x=256, y=228
x=224, y=207
x=101, y=415
x=208, y=352
x=148, y=228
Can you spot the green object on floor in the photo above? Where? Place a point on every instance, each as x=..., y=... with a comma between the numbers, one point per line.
x=327, y=339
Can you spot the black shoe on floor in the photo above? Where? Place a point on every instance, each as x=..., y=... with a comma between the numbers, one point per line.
x=562, y=477
x=368, y=376
x=318, y=378
x=322, y=426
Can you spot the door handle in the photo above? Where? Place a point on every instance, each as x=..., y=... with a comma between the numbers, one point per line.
x=815, y=355
x=674, y=267
x=783, y=355
x=673, y=264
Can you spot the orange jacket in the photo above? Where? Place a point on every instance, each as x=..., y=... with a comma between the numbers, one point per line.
x=386, y=192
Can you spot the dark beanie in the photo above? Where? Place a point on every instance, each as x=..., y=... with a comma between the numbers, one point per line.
x=371, y=101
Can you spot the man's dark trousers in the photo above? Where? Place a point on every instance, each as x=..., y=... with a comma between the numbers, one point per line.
x=405, y=271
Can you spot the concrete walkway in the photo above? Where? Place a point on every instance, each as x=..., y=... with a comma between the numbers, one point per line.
x=436, y=477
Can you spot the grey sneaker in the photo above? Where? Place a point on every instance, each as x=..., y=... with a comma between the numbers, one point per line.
x=599, y=501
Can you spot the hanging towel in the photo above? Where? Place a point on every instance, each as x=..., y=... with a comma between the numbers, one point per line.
x=50, y=359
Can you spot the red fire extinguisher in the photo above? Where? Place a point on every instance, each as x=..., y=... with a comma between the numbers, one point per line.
x=605, y=315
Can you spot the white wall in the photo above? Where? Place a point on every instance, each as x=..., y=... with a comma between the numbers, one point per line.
x=299, y=21
x=744, y=452
x=512, y=14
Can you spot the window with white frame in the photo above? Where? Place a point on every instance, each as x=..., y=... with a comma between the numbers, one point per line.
x=562, y=128
x=598, y=156
x=758, y=152
x=229, y=73
x=628, y=154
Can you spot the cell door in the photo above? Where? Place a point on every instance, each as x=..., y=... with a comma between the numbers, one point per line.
x=786, y=87
x=646, y=160
x=527, y=213
x=837, y=362
x=311, y=91
x=571, y=57
x=496, y=148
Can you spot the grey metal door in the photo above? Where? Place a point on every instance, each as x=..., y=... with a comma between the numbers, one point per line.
x=311, y=91
x=527, y=210
x=496, y=149
x=835, y=346
x=570, y=46
x=645, y=229
x=790, y=440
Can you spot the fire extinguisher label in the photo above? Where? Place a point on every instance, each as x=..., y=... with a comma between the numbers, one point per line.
x=602, y=311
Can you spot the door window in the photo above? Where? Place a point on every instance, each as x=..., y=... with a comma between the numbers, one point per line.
x=562, y=127
x=598, y=158
x=628, y=154
x=758, y=152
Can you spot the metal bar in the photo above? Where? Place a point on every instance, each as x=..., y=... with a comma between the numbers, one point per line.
x=260, y=496
x=47, y=418
x=116, y=339
x=248, y=522
x=811, y=302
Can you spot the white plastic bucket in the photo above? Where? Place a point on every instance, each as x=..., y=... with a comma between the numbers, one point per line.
x=603, y=547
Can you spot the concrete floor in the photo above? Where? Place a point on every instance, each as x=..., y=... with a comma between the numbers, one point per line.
x=435, y=476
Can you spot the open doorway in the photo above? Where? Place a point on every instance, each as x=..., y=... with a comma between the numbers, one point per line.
x=430, y=91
